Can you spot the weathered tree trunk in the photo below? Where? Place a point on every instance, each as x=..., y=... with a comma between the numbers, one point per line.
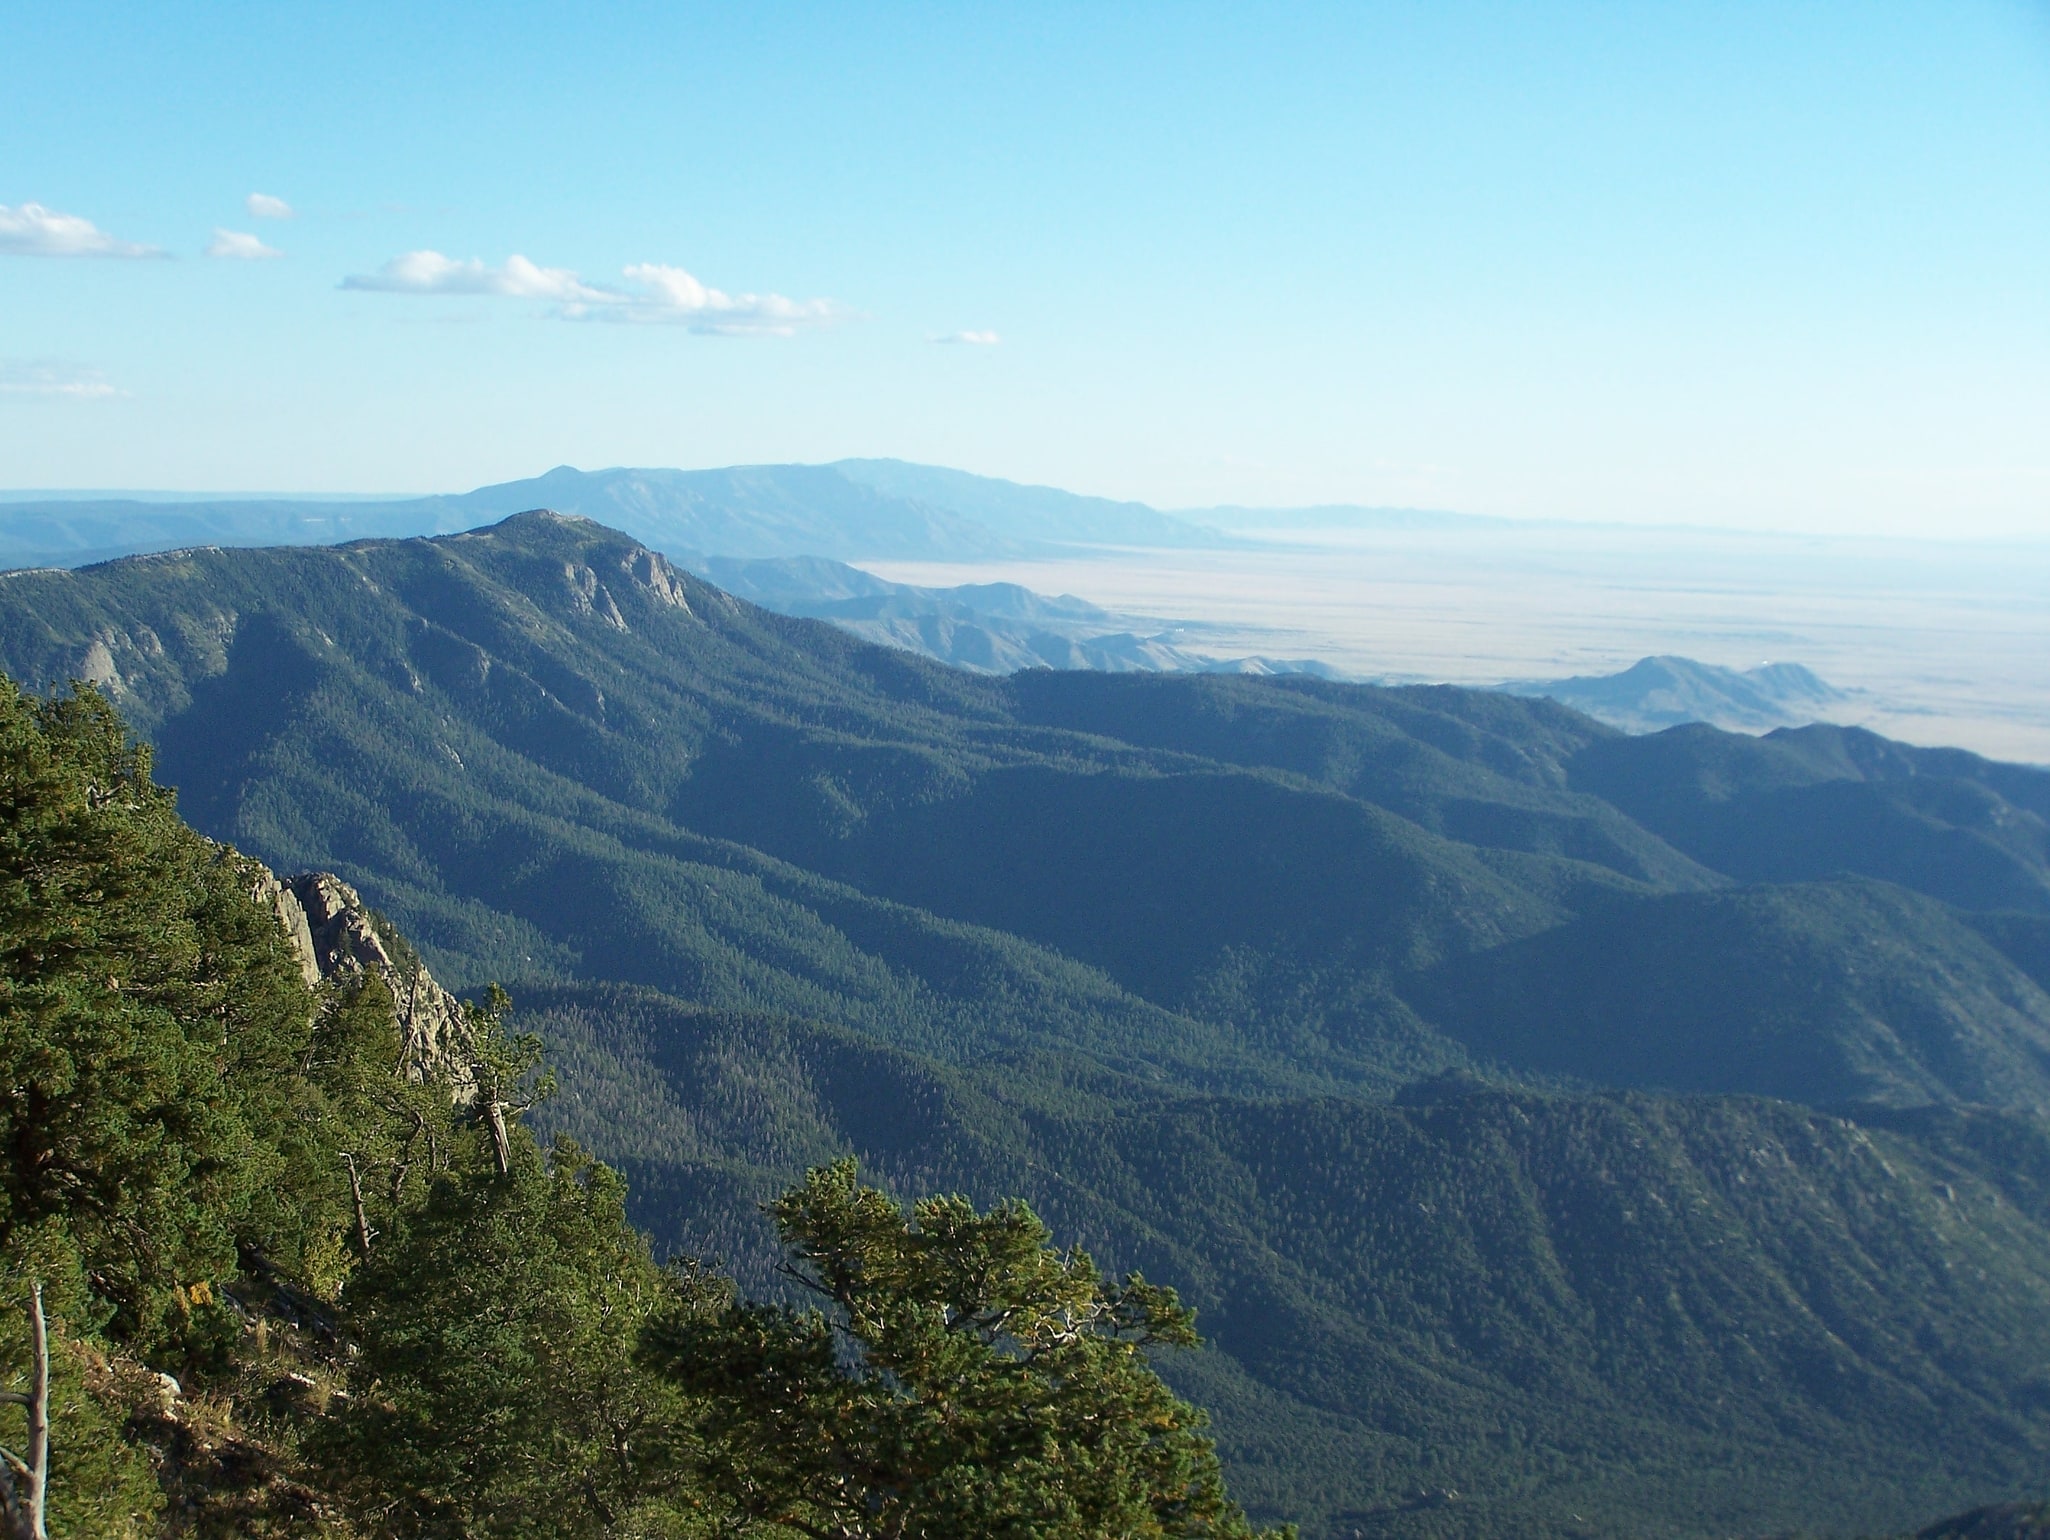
x=39, y=1414
x=25, y=1481
x=356, y=1192
x=501, y=1136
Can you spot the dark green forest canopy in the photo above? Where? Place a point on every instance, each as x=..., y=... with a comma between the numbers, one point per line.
x=150, y=1015
x=1157, y=951
x=1696, y=1316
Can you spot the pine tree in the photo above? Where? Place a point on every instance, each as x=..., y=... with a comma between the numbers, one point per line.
x=497, y=1391
x=148, y=1013
x=960, y=1376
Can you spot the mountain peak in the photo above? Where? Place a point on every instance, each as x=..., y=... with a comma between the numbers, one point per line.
x=536, y=516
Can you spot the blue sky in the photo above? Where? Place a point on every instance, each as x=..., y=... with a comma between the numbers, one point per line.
x=1775, y=265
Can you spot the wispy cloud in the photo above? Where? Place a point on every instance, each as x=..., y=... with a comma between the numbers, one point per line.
x=429, y=272
x=264, y=206
x=47, y=377
x=969, y=339
x=30, y=230
x=243, y=247
x=650, y=293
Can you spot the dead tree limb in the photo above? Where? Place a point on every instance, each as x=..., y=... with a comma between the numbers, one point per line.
x=25, y=1481
x=363, y=1231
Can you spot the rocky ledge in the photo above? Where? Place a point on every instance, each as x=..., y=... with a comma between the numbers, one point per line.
x=335, y=935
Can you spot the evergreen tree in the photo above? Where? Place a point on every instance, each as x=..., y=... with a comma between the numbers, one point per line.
x=960, y=1377
x=149, y=1014
x=497, y=1391
x=364, y=1132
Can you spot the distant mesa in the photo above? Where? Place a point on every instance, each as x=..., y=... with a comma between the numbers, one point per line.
x=1660, y=692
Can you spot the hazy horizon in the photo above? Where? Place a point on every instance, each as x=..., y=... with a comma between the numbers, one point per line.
x=1942, y=642
x=1739, y=267
x=1282, y=534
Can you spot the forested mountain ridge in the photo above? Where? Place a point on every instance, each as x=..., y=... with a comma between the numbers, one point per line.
x=1613, y=1315
x=1810, y=801
x=776, y=894
x=549, y=754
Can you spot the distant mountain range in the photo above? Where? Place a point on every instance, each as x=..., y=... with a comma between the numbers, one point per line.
x=850, y=510
x=1655, y=693
x=781, y=536
x=1561, y=1132
x=856, y=509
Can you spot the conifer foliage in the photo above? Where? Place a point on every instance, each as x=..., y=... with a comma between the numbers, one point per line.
x=959, y=1376
x=150, y=1014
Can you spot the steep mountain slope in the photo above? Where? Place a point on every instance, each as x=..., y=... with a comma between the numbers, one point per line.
x=1816, y=801
x=522, y=779
x=1607, y=1315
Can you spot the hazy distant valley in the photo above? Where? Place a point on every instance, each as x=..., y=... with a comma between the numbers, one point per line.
x=1932, y=643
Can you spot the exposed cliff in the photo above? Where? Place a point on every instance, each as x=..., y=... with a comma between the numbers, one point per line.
x=336, y=935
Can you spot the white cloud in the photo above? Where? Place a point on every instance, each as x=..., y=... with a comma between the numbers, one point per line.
x=429, y=272
x=46, y=377
x=234, y=243
x=652, y=294
x=663, y=295
x=264, y=206
x=970, y=339
x=30, y=230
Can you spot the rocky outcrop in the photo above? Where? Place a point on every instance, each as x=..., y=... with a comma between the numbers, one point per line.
x=652, y=571
x=647, y=570
x=588, y=596
x=335, y=936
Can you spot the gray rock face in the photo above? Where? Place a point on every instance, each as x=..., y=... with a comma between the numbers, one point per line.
x=652, y=571
x=331, y=931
